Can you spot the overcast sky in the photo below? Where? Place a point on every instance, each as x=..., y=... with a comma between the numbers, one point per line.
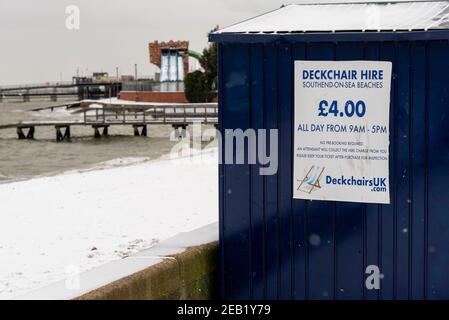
x=37, y=47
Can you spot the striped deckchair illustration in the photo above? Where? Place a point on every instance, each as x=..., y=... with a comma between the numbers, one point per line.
x=311, y=180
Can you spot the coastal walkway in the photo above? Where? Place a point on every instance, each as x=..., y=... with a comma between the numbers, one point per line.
x=101, y=115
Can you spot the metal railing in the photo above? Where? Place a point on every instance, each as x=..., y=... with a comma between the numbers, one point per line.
x=33, y=85
x=153, y=115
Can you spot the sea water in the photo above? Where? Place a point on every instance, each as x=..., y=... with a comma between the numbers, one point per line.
x=25, y=159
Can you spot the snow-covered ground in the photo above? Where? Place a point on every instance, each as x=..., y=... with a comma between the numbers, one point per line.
x=51, y=227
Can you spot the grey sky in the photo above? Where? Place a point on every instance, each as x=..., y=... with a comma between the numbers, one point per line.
x=37, y=47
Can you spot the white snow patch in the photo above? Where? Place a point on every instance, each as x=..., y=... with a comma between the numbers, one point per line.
x=82, y=220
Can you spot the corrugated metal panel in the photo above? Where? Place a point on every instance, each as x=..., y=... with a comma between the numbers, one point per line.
x=265, y=235
x=346, y=17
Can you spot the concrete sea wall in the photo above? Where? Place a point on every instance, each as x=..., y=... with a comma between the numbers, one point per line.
x=183, y=267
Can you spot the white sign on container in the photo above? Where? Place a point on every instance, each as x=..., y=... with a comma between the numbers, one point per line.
x=341, y=140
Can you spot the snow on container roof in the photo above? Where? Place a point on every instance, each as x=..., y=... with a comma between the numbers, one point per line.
x=345, y=17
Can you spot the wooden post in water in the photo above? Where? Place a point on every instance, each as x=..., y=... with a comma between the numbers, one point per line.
x=80, y=93
x=67, y=133
x=60, y=136
x=97, y=133
x=181, y=130
x=26, y=97
x=54, y=96
x=136, y=131
x=29, y=135
x=20, y=134
x=142, y=133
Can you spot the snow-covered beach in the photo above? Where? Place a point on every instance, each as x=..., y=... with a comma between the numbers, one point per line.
x=54, y=226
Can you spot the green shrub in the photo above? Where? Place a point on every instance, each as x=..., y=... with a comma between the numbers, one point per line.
x=201, y=86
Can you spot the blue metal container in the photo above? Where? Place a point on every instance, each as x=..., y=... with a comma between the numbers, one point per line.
x=275, y=247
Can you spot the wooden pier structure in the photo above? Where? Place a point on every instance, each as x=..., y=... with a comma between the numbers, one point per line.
x=101, y=115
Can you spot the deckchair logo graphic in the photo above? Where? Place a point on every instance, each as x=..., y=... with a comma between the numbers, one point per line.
x=311, y=180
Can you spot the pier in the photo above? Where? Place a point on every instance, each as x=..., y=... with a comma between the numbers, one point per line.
x=57, y=90
x=102, y=115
